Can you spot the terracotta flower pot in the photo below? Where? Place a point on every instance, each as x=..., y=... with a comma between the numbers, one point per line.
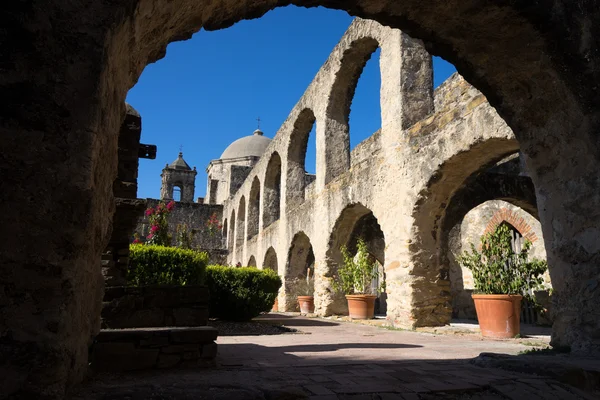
x=276, y=305
x=361, y=306
x=498, y=314
x=307, y=304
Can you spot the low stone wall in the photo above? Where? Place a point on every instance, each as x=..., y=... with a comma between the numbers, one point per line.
x=154, y=306
x=137, y=349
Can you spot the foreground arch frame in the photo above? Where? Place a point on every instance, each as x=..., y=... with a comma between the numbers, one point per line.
x=60, y=139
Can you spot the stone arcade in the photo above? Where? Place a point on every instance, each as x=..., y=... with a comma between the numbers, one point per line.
x=384, y=192
x=67, y=67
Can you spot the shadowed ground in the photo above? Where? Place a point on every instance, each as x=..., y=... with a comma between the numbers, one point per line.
x=341, y=360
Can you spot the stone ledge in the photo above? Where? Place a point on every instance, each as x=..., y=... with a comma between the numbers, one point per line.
x=140, y=349
x=155, y=306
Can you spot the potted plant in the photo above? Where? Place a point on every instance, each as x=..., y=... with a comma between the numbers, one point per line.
x=355, y=279
x=502, y=277
x=305, y=289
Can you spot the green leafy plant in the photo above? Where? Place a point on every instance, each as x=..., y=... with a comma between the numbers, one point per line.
x=357, y=274
x=240, y=294
x=498, y=269
x=160, y=265
x=303, y=287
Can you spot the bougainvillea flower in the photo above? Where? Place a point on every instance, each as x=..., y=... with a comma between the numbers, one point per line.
x=149, y=212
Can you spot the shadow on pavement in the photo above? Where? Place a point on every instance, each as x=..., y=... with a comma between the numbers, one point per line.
x=288, y=320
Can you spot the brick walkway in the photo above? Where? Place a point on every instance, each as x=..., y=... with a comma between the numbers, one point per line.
x=336, y=360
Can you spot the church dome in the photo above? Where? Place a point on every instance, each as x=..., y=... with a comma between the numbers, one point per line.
x=180, y=163
x=249, y=146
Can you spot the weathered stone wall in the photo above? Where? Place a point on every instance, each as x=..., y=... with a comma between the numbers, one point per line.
x=237, y=175
x=470, y=230
x=219, y=175
x=382, y=175
x=154, y=306
x=128, y=208
x=195, y=216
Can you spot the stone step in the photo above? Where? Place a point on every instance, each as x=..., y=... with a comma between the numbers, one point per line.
x=150, y=348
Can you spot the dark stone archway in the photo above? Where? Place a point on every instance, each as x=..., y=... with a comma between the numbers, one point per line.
x=300, y=258
x=66, y=69
x=270, y=260
x=272, y=191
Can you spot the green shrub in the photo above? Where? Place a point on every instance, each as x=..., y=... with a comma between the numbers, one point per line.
x=160, y=265
x=240, y=294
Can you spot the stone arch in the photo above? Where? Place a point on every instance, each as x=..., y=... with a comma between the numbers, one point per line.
x=552, y=106
x=252, y=261
x=272, y=190
x=231, y=235
x=179, y=191
x=337, y=130
x=354, y=221
x=241, y=223
x=270, y=260
x=296, y=179
x=253, y=208
x=300, y=258
x=430, y=302
x=510, y=217
x=469, y=231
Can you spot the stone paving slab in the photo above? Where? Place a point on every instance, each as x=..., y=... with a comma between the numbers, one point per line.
x=340, y=361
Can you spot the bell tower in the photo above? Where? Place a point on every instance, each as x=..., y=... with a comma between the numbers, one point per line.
x=178, y=181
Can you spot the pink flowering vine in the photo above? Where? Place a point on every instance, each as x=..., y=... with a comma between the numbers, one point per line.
x=213, y=225
x=159, y=224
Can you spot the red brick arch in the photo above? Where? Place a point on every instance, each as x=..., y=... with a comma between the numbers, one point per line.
x=515, y=220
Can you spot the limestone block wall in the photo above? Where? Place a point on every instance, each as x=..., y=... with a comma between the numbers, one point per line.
x=195, y=216
x=477, y=222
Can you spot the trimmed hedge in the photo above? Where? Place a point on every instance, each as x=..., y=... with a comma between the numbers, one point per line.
x=160, y=265
x=240, y=294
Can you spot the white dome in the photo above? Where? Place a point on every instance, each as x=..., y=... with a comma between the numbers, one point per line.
x=248, y=146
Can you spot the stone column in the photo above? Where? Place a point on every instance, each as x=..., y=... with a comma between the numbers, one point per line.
x=333, y=149
x=568, y=195
x=406, y=85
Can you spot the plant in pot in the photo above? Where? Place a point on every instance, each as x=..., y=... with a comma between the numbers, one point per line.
x=355, y=279
x=304, y=290
x=502, y=277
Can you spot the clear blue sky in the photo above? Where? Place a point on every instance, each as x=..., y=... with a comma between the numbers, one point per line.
x=209, y=90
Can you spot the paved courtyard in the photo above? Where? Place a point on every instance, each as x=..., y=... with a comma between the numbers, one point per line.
x=329, y=359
